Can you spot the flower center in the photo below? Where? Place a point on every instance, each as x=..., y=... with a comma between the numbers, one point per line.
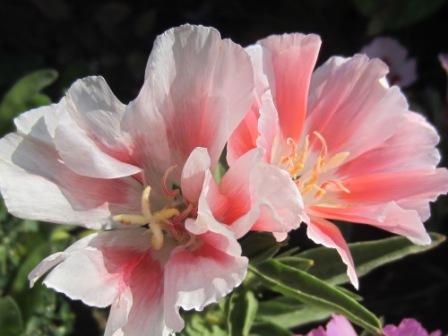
x=167, y=220
x=311, y=170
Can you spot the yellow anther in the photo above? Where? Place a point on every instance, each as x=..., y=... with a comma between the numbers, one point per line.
x=130, y=219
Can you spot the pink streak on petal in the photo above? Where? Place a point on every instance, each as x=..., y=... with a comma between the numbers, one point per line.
x=410, y=148
x=358, y=115
x=244, y=138
x=197, y=89
x=385, y=187
x=326, y=233
x=289, y=60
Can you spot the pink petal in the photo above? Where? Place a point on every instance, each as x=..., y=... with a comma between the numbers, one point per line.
x=139, y=310
x=244, y=138
x=340, y=326
x=288, y=62
x=351, y=108
x=326, y=233
x=255, y=130
x=385, y=187
x=337, y=326
x=197, y=89
x=112, y=268
x=408, y=327
x=319, y=331
x=85, y=272
x=193, y=174
x=413, y=146
x=257, y=196
x=389, y=217
x=88, y=135
x=268, y=127
x=31, y=170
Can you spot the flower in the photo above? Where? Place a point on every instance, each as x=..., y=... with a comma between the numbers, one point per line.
x=340, y=326
x=337, y=326
x=402, y=70
x=443, y=59
x=408, y=327
x=145, y=171
x=349, y=141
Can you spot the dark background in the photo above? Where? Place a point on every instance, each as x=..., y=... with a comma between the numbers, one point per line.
x=114, y=38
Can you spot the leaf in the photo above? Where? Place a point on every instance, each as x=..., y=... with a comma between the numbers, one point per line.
x=269, y=329
x=290, y=313
x=366, y=255
x=11, y=323
x=296, y=262
x=26, y=94
x=312, y=291
x=197, y=325
x=259, y=246
x=241, y=313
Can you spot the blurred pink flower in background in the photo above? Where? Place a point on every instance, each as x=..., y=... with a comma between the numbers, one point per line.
x=402, y=70
x=340, y=326
x=443, y=59
x=146, y=170
x=349, y=142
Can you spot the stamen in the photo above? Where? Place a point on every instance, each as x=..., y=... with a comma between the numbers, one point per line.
x=336, y=160
x=323, y=143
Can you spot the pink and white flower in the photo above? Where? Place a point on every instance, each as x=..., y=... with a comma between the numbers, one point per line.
x=351, y=145
x=402, y=70
x=340, y=326
x=146, y=170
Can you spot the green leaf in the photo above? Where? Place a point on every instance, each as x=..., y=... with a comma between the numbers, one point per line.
x=11, y=323
x=366, y=255
x=290, y=313
x=269, y=329
x=312, y=291
x=296, y=262
x=241, y=313
x=26, y=94
x=259, y=246
x=197, y=325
